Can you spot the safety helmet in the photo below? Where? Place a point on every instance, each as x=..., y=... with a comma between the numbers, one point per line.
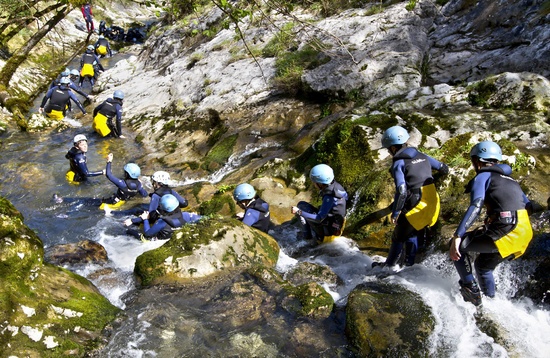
x=486, y=151
x=118, y=94
x=75, y=72
x=169, y=203
x=101, y=36
x=161, y=177
x=394, y=136
x=65, y=73
x=90, y=47
x=133, y=170
x=322, y=174
x=79, y=137
x=64, y=81
x=244, y=192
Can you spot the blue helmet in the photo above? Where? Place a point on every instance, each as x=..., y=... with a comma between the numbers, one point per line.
x=75, y=72
x=65, y=73
x=394, y=136
x=169, y=203
x=322, y=174
x=244, y=192
x=133, y=170
x=486, y=151
x=90, y=48
x=118, y=94
x=64, y=81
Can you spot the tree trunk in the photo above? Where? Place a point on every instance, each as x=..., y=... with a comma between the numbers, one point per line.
x=19, y=57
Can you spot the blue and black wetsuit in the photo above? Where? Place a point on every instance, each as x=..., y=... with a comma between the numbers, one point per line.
x=59, y=98
x=507, y=231
x=155, y=200
x=257, y=214
x=102, y=47
x=328, y=220
x=165, y=225
x=127, y=188
x=77, y=160
x=111, y=108
x=416, y=202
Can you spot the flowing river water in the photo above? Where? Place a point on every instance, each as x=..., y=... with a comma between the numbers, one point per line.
x=33, y=167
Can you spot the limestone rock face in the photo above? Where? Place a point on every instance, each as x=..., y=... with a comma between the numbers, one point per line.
x=206, y=248
x=43, y=308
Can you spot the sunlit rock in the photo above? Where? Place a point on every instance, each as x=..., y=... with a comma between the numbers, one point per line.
x=82, y=252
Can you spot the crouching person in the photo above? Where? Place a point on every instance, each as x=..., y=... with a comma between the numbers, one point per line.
x=171, y=217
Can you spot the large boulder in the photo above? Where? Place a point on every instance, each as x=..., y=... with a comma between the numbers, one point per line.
x=206, y=248
x=388, y=320
x=44, y=310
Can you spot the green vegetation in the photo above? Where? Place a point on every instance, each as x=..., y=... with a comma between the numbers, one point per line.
x=218, y=155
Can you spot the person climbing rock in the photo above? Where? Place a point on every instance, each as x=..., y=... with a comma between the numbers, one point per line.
x=507, y=230
x=78, y=171
x=170, y=218
x=88, y=16
x=256, y=211
x=58, y=100
x=416, y=201
x=102, y=47
x=88, y=62
x=127, y=188
x=104, y=114
x=325, y=223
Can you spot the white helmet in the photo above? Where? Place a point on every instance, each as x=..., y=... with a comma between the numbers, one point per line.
x=79, y=137
x=161, y=177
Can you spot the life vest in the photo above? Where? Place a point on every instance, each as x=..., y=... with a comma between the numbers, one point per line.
x=506, y=207
x=173, y=220
x=422, y=205
x=131, y=189
x=334, y=222
x=264, y=219
x=106, y=111
x=59, y=99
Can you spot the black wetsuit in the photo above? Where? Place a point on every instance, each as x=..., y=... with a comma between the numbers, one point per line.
x=111, y=108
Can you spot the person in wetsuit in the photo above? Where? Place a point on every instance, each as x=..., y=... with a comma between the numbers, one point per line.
x=87, y=66
x=59, y=98
x=328, y=220
x=77, y=159
x=105, y=112
x=256, y=211
x=161, y=182
x=507, y=230
x=128, y=187
x=170, y=218
x=88, y=16
x=416, y=201
x=102, y=47
x=72, y=85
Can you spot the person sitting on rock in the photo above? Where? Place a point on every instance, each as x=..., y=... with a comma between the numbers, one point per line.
x=105, y=112
x=161, y=186
x=256, y=211
x=87, y=66
x=326, y=222
x=128, y=187
x=170, y=218
x=102, y=47
x=58, y=99
x=77, y=159
x=506, y=232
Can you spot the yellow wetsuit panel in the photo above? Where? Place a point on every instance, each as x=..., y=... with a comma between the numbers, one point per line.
x=58, y=115
x=87, y=70
x=516, y=242
x=426, y=212
x=100, y=125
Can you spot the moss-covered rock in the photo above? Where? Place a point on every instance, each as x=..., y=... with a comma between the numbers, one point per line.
x=45, y=311
x=388, y=320
x=204, y=248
